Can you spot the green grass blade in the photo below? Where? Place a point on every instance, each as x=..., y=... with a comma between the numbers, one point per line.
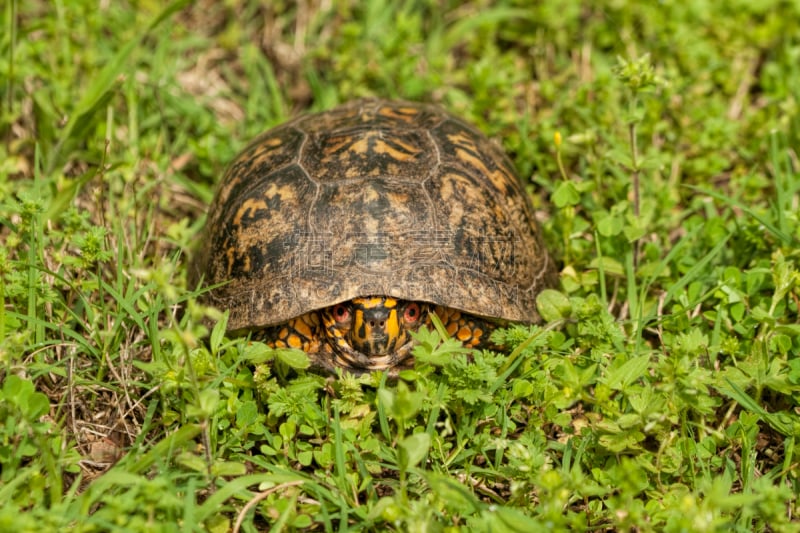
x=101, y=90
x=772, y=228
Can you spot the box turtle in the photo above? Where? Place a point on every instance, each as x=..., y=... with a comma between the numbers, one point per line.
x=340, y=232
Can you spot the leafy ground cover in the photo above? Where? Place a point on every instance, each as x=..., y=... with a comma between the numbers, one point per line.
x=659, y=141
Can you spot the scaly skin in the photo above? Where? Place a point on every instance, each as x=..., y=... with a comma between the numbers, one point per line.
x=371, y=333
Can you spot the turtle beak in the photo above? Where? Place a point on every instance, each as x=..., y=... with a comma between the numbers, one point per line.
x=375, y=330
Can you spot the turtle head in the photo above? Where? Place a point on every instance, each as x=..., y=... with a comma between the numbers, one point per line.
x=372, y=333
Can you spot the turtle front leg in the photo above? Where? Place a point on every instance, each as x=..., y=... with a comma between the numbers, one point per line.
x=471, y=330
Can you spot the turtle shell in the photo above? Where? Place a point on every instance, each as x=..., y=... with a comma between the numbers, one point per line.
x=372, y=198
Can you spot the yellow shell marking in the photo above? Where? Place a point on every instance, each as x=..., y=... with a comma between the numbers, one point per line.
x=405, y=114
x=248, y=207
x=375, y=143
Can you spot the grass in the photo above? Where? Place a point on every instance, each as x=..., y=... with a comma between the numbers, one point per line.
x=659, y=141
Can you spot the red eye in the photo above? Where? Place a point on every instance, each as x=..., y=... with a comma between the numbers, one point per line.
x=341, y=312
x=411, y=312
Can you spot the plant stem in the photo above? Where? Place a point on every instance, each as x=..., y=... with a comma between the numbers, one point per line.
x=635, y=175
x=634, y=159
x=12, y=38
